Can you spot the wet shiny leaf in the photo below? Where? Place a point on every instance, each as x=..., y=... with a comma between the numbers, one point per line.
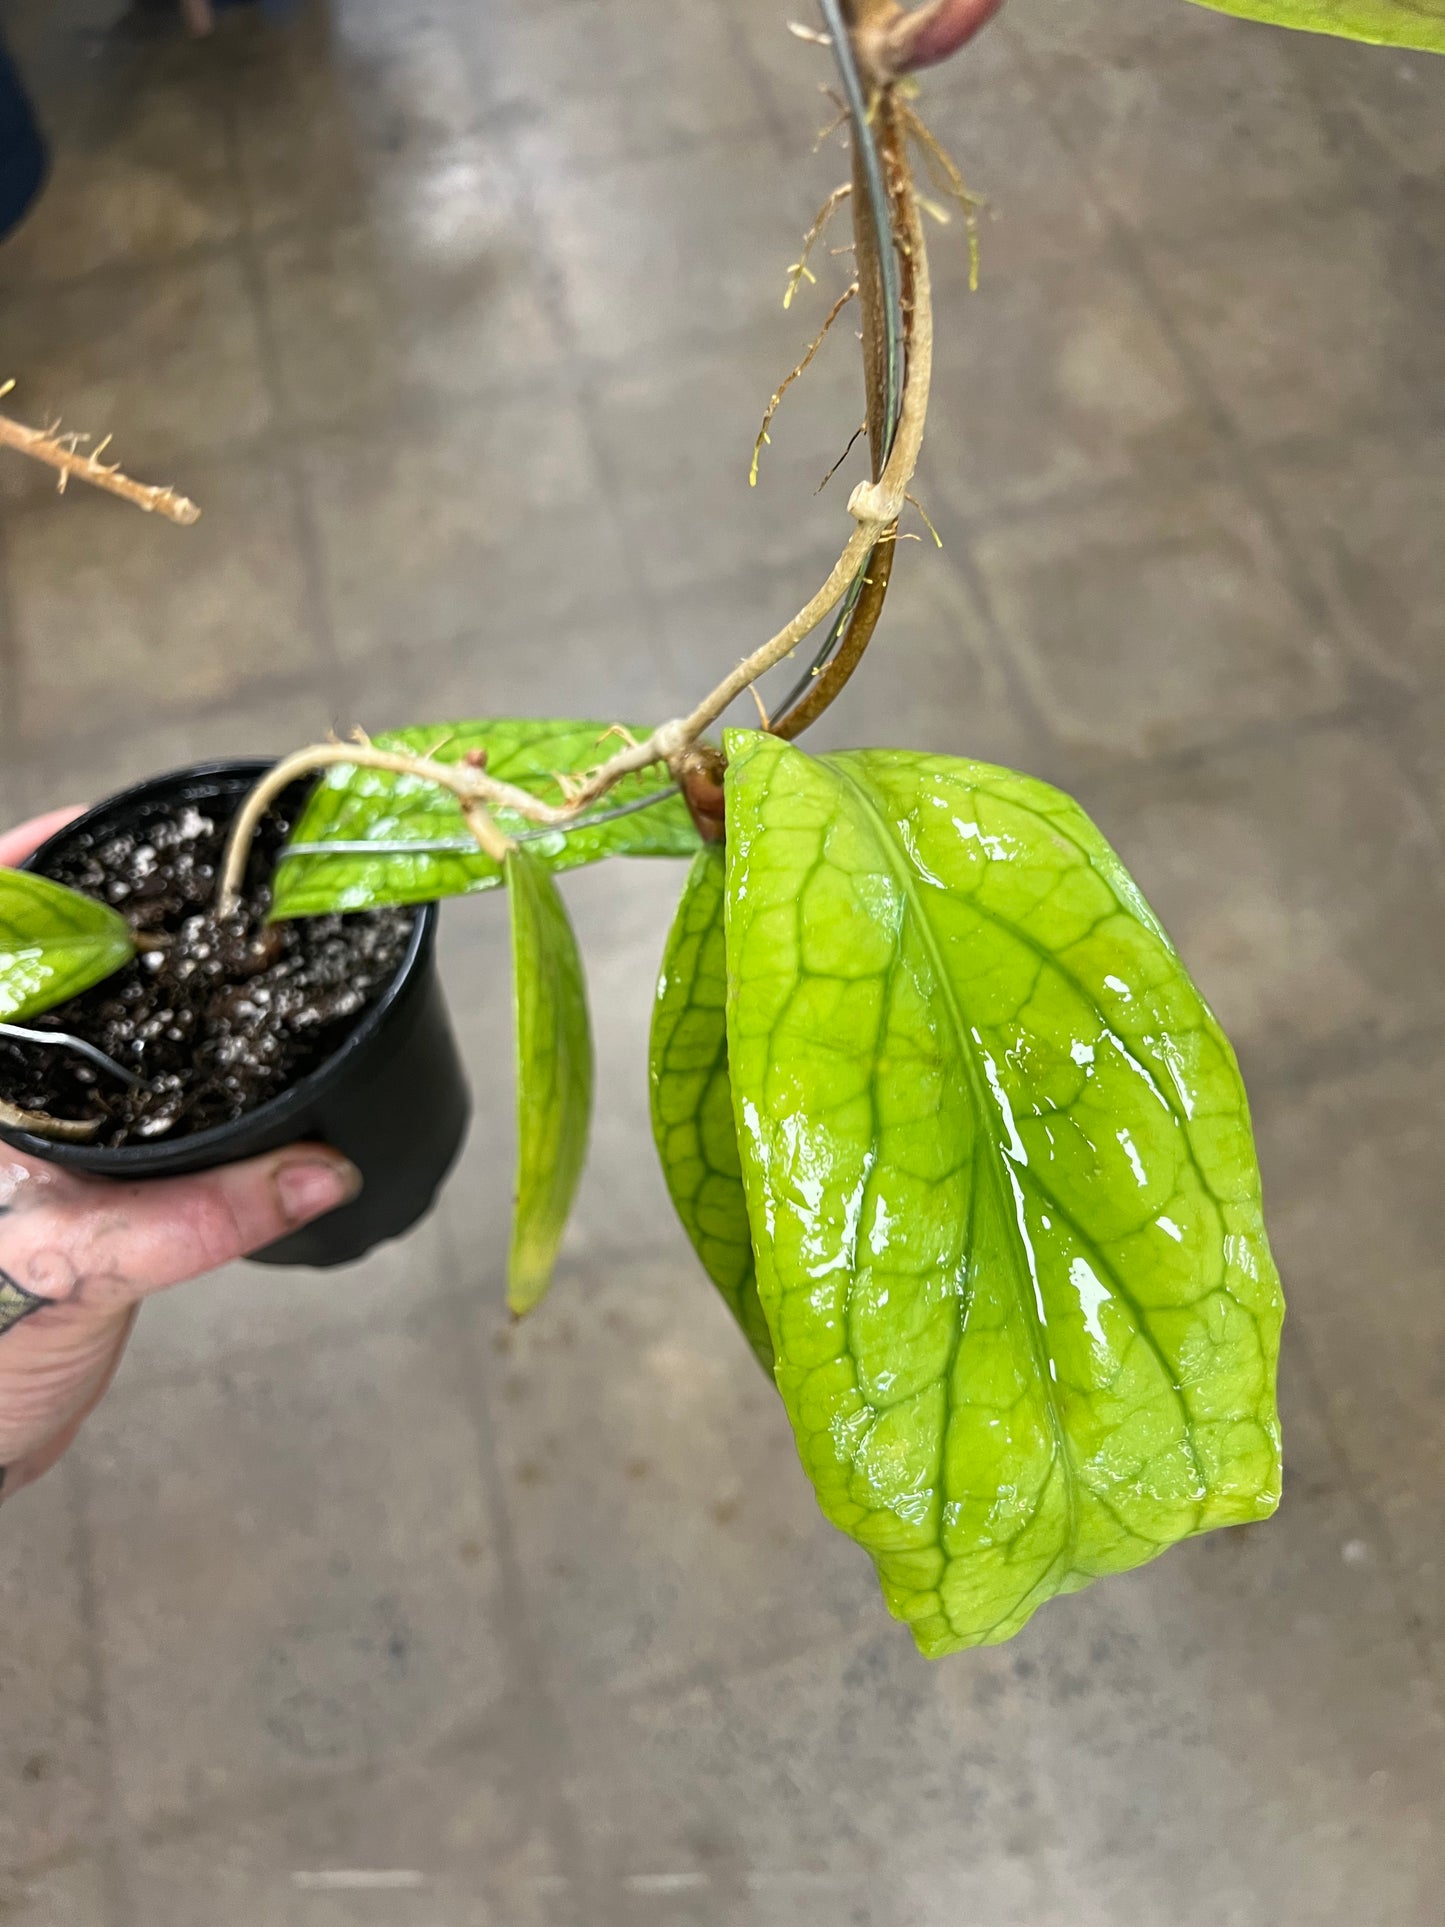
x=692, y=1100
x=1001, y=1182
x=1389, y=23
x=54, y=943
x=554, y=1075
x=351, y=805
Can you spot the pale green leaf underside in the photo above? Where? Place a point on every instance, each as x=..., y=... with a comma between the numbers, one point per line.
x=351, y=805
x=1001, y=1181
x=1388, y=23
x=692, y=1101
x=554, y=1075
x=54, y=943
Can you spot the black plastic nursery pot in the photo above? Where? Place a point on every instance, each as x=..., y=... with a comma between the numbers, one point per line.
x=392, y=1096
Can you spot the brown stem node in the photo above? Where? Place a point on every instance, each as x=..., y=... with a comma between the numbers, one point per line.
x=700, y=777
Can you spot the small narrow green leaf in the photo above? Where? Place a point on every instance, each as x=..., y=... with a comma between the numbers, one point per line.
x=554, y=1075
x=365, y=806
x=1003, y=1192
x=54, y=943
x=1386, y=23
x=692, y=1099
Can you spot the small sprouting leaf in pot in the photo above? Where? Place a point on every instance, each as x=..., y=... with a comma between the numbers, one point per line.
x=54, y=943
x=692, y=1100
x=352, y=806
x=1002, y=1187
x=554, y=1075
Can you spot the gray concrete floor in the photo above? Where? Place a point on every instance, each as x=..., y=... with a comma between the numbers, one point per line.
x=458, y=320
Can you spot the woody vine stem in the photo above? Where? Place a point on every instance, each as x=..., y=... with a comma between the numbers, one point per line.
x=881, y=125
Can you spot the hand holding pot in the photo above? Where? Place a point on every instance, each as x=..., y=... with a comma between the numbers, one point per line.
x=78, y=1254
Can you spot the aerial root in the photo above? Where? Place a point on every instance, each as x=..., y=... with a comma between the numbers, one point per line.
x=926, y=522
x=799, y=269
x=840, y=117
x=945, y=172
x=778, y=393
x=62, y=452
x=859, y=430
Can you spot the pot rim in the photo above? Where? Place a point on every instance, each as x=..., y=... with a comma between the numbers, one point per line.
x=296, y=1099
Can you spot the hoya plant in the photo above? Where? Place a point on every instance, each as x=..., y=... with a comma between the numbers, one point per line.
x=954, y=1135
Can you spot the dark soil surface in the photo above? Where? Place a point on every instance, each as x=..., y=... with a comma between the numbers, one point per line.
x=216, y=1018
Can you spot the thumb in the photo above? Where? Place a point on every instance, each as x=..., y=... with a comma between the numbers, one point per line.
x=108, y=1244
x=17, y=844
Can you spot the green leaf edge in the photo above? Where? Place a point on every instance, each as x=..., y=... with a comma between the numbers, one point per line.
x=551, y=1135
x=932, y=1638
x=689, y=942
x=308, y=885
x=94, y=938
x=1396, y=26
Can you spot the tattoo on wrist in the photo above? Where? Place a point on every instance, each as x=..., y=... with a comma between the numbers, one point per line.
x=16, y=1302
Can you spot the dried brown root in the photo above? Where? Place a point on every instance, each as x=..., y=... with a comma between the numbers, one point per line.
x=861, y=429
x=799, y=270
x=840, y=118
x=938, y=539
x=945, y=171
x=62, y=452
x=778, y=393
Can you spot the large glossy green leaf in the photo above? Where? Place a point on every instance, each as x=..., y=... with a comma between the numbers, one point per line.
x=54, y=943
x=351, y=805
x=692, y=1099
x=1001, y=1181
x=1389, y=23
x=554, y=1075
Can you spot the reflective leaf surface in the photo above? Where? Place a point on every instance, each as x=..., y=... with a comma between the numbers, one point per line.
x=1390, y=23
x=54, y=943
x=692, y=1101
x=351, y=805
x=1001, y=1182
x=554, y=1076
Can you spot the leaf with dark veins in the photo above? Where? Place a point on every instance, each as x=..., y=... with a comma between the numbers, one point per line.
x=54, y=943
x=1001, y=1181
x=692, y=1100
x=554, y=1076
x=351, y=805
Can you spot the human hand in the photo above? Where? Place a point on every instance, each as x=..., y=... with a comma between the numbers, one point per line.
x=78, y=1254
